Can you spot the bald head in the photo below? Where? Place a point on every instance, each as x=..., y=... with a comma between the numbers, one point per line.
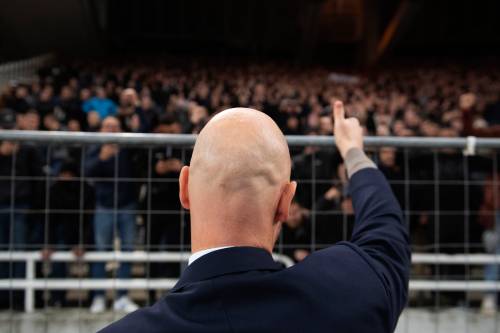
x=240, y=150
x=238, y=175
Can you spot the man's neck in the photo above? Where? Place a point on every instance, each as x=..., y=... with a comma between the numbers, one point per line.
x=214, y=231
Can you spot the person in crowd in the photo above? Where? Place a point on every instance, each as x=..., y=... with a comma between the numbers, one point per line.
x=20, y=100
x=334, y=211
x=473, y=122
x=130, y=113
x=163, y=218
x=296, y=234
x=151, y=114
x=489, y=215
x=111, y=167
x=69, y=109
x=46, y=102
x=28, y=120
x=391, y=168
x=98, y=107
x=20, y=191
x=489, y=218
x=69, y=225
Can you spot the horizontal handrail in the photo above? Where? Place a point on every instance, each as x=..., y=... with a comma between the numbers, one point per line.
x=143, y=256
x=31, y=283
x=455, y=259
x=96, y=256
x=453, y=285
x=186, y=140
x=100, y=284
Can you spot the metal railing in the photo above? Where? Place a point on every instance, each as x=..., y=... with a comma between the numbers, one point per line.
x=30, y=283
x=467, y=146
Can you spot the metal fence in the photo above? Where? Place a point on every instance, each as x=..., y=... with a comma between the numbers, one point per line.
x=54, y=199
x=23, y=70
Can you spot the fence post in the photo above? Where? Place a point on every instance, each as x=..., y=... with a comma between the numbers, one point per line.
x=29, y=291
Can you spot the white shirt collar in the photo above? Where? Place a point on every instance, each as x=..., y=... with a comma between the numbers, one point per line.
x=199, y=254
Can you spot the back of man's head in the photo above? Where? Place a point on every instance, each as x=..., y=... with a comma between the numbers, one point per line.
x=238, y=184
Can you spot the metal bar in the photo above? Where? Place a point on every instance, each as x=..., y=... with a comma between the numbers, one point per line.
x=465, y=162
x=495, y=207
x=147, y=237
x=11, y=229
x=141, y=256
x=455, y=259
x=46, y=220
x=436, y=242
x=453, y=285
x=62, y=284
x=313, y=202
x=81, y=217
x=303, y=181
x=29, y=293
x=170, y=212
x=189, y=139
x=166, y=283
x=136, y=256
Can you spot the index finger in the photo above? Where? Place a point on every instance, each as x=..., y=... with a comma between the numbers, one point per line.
x=338, y=111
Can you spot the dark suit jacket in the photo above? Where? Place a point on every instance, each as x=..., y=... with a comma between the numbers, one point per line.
x=356, y=286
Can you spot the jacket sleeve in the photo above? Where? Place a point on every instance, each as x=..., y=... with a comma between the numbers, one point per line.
x=380, y=235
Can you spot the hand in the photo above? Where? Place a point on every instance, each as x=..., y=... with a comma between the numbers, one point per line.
x=300, y=254
x=309, y=150
x=161, y=167
x=108, y=151
x=174, y=165
x=332, y=194
x=348, y=133
x=78, y=251
x=46, y=254
x=170, y=165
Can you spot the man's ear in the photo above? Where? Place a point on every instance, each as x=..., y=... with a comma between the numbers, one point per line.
x=285, y=202
x=183, y=187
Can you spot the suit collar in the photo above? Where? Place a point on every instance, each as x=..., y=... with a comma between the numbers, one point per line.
x=227, y=261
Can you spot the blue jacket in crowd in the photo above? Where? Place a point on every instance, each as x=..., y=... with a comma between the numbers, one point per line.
x=103, y=106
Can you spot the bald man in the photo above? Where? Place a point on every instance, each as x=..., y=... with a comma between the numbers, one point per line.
x=238, y=190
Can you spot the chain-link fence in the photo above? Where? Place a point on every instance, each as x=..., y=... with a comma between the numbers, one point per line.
x=90, y=215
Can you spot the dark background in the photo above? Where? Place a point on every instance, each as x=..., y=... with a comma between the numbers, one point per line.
x=304, y=31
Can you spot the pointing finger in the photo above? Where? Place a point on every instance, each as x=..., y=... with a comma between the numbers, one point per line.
x=338, y=111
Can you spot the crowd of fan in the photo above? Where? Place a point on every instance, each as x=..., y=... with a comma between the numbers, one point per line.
x=399, y=102
x=177, y=97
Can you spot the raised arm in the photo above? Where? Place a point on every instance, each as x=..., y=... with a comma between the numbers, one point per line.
x=379, y=234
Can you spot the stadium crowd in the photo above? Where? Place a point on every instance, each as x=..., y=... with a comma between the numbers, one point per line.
x=133, y=192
